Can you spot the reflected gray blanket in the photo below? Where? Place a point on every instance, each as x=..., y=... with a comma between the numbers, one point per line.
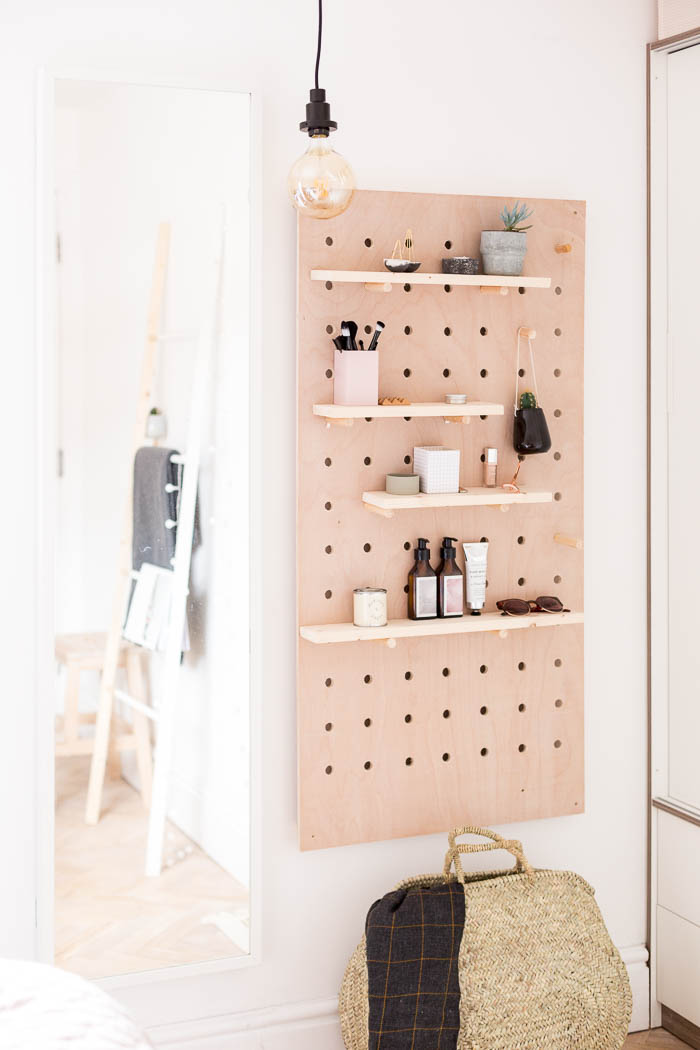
x=153, y=506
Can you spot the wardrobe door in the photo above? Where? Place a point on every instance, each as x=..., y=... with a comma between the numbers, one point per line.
x=684, y=425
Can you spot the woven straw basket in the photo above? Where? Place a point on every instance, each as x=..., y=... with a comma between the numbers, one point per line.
x=535, y=966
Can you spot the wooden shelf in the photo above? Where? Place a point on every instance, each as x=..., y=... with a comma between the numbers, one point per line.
x=436, y=409
x=495, y=622
x=386, y=503
x=383, y=279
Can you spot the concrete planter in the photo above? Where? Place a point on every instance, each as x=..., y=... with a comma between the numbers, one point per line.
x=503, y=252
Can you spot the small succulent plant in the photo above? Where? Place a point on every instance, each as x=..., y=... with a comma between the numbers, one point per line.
x=154, y=412
x=513, y=217
x=528, y=399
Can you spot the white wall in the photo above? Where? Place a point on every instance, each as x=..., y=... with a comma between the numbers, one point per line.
x=127, y=158
x=517, y=97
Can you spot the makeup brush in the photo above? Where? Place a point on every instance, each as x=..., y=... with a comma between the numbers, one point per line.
x=353, y=334
x=345, y=332
x=361, y=344
x=375, y=338
x=338, y=343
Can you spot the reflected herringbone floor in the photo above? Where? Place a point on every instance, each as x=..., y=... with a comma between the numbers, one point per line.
x=110, y=918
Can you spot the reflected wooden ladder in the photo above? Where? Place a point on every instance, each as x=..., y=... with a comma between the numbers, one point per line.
x=163, y=713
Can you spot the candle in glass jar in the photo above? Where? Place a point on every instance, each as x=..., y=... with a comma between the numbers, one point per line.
x=369, y=606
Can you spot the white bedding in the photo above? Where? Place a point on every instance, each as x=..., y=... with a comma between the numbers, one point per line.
x=42, y=1008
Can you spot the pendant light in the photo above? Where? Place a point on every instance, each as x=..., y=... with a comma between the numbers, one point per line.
x=321, y=182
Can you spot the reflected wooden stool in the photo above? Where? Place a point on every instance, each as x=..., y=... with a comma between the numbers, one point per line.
x=85, y=652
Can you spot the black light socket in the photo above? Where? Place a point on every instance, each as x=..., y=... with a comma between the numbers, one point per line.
x=318, y=115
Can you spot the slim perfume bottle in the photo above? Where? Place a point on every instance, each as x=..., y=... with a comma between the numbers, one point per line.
x=450, y=581
x=422, y=585
x=490, y=467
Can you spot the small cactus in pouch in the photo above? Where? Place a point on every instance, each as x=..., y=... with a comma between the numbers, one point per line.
x=528, y=399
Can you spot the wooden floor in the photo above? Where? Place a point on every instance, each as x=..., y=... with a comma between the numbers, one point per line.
x=657, y=1039
x=110, y=918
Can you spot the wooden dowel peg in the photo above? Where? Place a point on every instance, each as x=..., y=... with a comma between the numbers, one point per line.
x=505, y=507
x=457, y=419
x=492, y=289
x=502, y=634
x=384, y=286
x=527, y=333
x=569, y=541
x=563, y=249
x=331, y=421
x=381, y=511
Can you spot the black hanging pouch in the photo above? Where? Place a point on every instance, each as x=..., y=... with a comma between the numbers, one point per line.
x=530, y=430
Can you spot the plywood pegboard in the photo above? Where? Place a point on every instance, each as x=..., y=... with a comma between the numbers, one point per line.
x=438, y=731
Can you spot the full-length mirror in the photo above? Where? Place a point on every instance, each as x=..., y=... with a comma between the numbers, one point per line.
x=152, y=614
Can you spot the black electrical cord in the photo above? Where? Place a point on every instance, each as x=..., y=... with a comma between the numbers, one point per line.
x=320, y=31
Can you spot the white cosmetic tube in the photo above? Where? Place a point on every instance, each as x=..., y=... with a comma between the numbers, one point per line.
x=475, y=563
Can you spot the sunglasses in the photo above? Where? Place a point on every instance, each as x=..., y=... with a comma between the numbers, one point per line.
x=519, y=607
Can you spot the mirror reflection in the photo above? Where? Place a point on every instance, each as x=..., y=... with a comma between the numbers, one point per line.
x=152, y=589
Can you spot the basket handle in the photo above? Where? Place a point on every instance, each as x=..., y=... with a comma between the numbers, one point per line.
x=456, y=848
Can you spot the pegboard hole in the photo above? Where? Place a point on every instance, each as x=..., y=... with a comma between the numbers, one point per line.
x=407, y=372
x=329, y=726
x=368, y=765
x=521, y=581
x=446, y=756
x=405, y=588
x=328, y=549
x=484, y=539
x=557, y=413
x=557, y=456
x=521, y=372
x=557, y=496
x=483, y=710
x=483, y=330
x=408, y=718
x=558, y=662
x=407, y=288
x=407, y=460
x=482, y=457
x=483, y=373
x=483, y=669
x=448, y=288
x=483, y=417
x=446, y=373
x=366, y=547
x=328, y=505
x=446, y=713
x=368, y=329
x=557, y=290
x=448, y=245
x=329, y=241
x=369, y=419
x=407, y=545
x=447, y=331
x=328, y=594
x=329, y=285
x=557, y=743
x=408, y=675
x=557, y=373
x=521, y=748
x=329, y=329
x=328, y=683
x=367, y=461
x=367, y=723
x=521, y=540
x=445, y=672
x=329, y=373
x=328, y=461
x=558, y=703
x=521, y=665
x=521, y=708
x=407, y=330
x=521, y=290
x=557, y=578
x=409, y=761
x=329, y=770
x=367, y=679
x=368, y=242
x=557, y=331
x=484, y=752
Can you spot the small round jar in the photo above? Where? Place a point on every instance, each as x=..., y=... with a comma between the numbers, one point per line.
x=369, y=607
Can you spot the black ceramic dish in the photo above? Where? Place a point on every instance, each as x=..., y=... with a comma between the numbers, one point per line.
x=460, y=264
x=401, y=266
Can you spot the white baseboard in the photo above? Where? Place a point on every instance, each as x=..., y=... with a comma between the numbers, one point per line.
x=314, y=1025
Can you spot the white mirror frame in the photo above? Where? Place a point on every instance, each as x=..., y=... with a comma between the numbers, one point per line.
x=45, y=249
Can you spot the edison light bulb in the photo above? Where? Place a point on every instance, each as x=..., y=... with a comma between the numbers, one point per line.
x=321, y=183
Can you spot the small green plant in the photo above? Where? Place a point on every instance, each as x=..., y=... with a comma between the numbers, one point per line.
x=528, y=399
x=513, y=217
x=154, y=412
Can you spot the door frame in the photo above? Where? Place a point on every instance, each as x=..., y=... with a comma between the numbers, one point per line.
x=46, y=443
x=659, y=360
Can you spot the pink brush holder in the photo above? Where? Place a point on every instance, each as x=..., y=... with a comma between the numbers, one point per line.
x=356, y=377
